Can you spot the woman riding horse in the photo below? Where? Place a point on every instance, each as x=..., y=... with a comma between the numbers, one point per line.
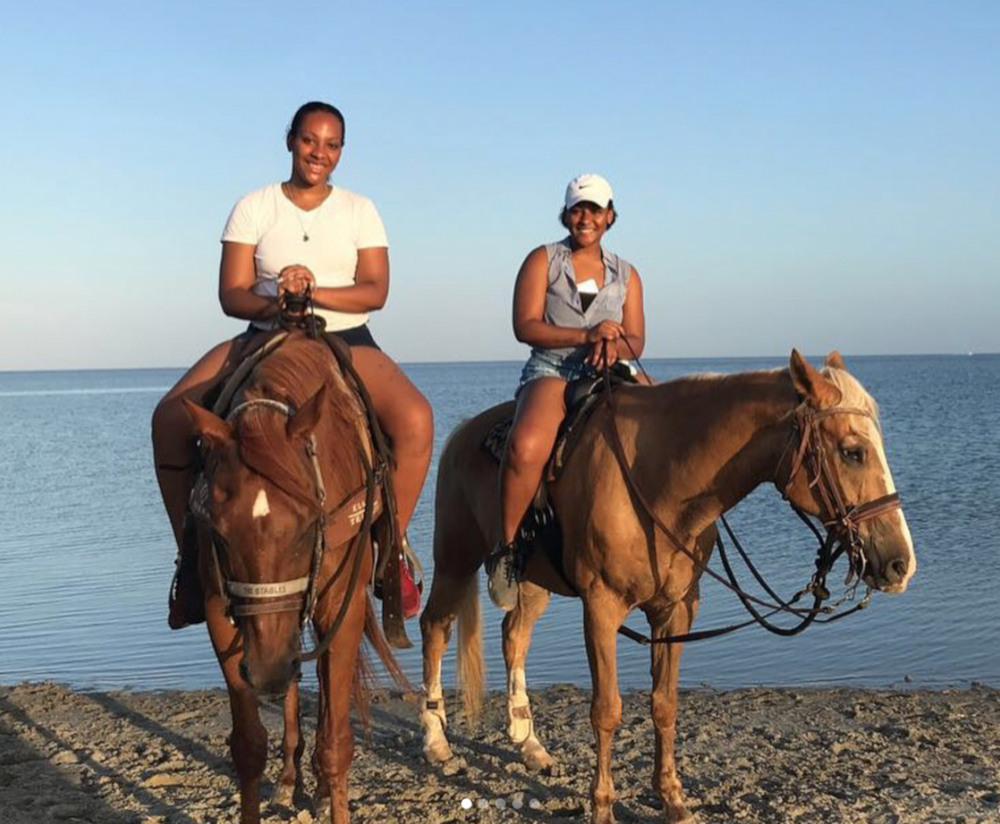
x=579, y=307
x=303, y=235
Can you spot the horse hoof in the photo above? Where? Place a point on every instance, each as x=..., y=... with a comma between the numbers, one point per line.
x=537, y=758
x=283, y=795
x=604, y=816
x=438, y=753
x=324, y=813
x=677, y=813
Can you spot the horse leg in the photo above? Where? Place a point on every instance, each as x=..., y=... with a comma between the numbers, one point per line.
x=517, y=627
x=334, y=737
x=292, y=746
x=669, y=619
x=248, y=742
x=603, y=613
x=450, y=597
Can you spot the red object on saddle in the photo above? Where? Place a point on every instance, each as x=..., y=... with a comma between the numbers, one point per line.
x=409, y=590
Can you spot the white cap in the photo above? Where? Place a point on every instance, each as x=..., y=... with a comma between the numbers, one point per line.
x=590, y=188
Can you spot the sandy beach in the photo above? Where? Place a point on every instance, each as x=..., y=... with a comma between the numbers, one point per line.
x=754, y=755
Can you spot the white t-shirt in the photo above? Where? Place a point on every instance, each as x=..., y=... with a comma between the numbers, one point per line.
x=337, y=228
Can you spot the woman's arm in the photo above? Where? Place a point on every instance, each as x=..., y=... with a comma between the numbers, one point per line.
x=529, y=309
x=236, y=280
x=633, y=319
x=370, y=288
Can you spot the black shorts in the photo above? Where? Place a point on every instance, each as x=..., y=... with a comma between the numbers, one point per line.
x=355, y=336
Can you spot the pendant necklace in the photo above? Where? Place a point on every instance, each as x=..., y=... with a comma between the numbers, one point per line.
x=298, y=213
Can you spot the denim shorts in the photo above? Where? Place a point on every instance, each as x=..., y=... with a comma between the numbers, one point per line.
x=546, y=363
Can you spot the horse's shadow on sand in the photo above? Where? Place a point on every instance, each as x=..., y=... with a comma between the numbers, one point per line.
x=53, y=786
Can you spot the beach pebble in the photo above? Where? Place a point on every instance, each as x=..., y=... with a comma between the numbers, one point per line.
x=64, y=757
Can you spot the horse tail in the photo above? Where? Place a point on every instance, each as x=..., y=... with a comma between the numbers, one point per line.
x=469, y=665
x=365, y=679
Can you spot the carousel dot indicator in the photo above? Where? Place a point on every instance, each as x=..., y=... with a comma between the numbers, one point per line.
x=466, y=803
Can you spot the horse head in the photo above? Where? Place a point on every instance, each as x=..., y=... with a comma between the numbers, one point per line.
x=261, y=520
x=839, y=473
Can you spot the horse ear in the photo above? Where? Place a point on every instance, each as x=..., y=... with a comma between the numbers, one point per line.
x=304, y=421
x=809, y=383
x=212, y=429
x=834, y=361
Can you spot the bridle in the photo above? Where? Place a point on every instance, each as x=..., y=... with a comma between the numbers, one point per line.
x=242, y=599
x=842, y=524
x=841, y=521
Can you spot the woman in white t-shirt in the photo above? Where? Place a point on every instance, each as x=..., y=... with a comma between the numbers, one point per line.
x=302, y=234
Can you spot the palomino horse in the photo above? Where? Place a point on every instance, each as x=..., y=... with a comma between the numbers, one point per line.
x=288, y=478
x=692, y=449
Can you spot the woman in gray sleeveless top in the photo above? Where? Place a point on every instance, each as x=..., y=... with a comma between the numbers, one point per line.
x=573, y=300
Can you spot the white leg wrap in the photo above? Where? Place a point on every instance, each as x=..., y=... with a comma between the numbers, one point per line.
x=520, y=726
x=434, y=721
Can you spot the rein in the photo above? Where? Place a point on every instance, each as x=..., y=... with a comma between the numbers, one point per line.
x=842, y=528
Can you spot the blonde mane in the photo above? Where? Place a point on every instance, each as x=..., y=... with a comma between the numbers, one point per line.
x=851, y=390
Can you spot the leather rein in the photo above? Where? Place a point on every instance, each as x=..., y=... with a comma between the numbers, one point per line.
x=842, y=524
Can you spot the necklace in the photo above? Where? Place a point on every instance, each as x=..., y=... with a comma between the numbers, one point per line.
x=298, y=212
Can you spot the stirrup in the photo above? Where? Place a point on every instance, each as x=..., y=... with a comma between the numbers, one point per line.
x=502, y=575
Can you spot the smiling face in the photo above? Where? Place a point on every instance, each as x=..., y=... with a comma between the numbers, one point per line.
x=315, y=148
x=587, y=222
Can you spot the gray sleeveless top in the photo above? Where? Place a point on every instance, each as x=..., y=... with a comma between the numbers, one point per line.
x=563, y=306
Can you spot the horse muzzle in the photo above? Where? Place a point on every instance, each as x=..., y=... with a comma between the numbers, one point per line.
x=270, y=659
x=888, y=549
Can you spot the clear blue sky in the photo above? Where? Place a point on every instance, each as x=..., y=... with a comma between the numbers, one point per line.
x=813, y=174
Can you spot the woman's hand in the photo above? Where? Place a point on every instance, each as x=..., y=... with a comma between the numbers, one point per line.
x=296, y=280
x=603, y=343
x=608, y=330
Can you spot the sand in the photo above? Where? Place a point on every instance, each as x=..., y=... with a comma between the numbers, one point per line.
x=755, y=755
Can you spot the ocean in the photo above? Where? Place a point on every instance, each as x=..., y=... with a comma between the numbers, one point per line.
x=86, y=553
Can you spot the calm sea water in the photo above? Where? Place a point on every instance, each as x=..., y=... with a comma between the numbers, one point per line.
x=86, y=555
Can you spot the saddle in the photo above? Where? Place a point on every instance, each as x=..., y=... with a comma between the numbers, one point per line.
x=393, y=582
x=540, y=528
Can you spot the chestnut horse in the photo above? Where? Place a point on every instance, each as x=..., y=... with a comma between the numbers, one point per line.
x=287, y=479
x=692, y=449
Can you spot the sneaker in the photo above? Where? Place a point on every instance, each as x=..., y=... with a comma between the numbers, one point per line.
x=502, y=576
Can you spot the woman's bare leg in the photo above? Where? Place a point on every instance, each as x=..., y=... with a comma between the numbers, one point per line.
x=541, y=407
x=172, y=434
x=407, y=420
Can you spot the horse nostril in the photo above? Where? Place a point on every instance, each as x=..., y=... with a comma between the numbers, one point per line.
x=897, y=570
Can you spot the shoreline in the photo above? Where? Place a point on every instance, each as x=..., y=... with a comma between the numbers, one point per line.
x=763, y=754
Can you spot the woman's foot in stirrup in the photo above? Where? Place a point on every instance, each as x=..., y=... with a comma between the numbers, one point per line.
x=502, y=576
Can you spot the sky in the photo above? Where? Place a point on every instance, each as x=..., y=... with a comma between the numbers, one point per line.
x=807, y=174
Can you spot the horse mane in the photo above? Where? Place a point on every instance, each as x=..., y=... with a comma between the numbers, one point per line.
x=851, y=390
x=292, y=374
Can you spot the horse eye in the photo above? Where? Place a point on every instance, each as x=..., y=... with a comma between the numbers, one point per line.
x=853, y=454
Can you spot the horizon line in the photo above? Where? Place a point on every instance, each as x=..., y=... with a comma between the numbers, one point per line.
x=520, y=361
